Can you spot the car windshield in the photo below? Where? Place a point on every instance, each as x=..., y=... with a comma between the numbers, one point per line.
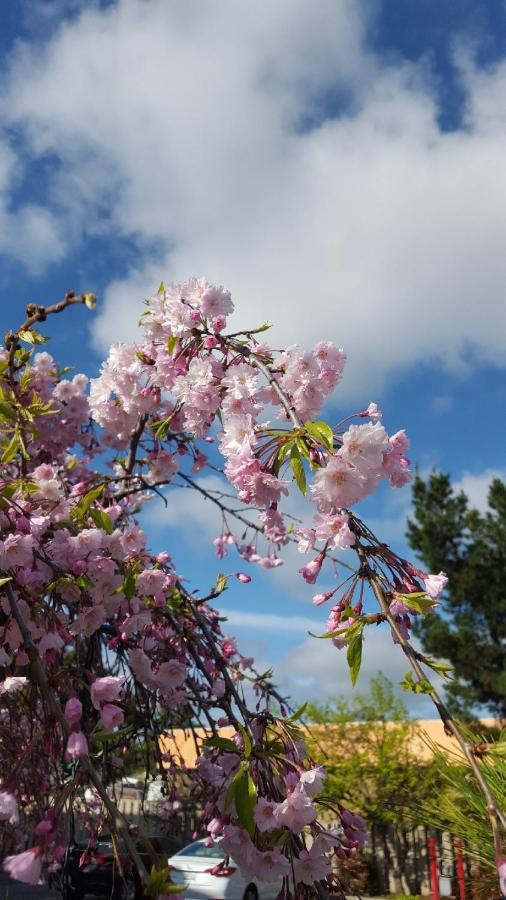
x=198, y=848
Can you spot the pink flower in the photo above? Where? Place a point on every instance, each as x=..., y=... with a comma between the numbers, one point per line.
x=312, y=780
x=307, y=538
x=170, y=675
x=105, y=690
x=140, y=664
x=150, y=581
x=395, y=462
x=296, y=811
x=25, y=867
x=216, y=301
x=318, y=599
x=73, y=711
x=338, y=484
x=241, y=576
x=334, y=529
x=364, y=445
x=312, y=569
x=372, y=411
x=435, y=584
x=271, y=865
x=215, y=826
x=312, y=865
x=89, y=621
x=77, y=746
x=263, y=814
x=12, y=684
x=8, y=808
x=111, y=716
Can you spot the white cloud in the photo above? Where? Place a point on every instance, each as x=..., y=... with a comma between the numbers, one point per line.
x=271, y=622
x=180, y=126
x=29, y=233
x=442, y=403
x=317, y=669
x=200, y=516
x=476, y=486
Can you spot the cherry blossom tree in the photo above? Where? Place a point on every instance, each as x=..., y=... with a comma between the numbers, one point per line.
x=102, y=644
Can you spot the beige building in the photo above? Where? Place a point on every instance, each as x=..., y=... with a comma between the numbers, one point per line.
x=185, y=742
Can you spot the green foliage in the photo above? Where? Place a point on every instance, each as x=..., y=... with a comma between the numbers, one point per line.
x=298, y=468
x=354, y=657
x=459, y=806
x=415, y=687
x=449, y=535
x=366, y=746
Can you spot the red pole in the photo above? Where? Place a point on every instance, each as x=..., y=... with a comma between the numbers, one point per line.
x=460, y=870
x=433, y=868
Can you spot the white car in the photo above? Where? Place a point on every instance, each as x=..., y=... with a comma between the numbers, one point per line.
x=192, y=866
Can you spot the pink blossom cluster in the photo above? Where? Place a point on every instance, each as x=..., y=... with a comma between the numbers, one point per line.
x=101, y=641
x=295, y=812
x=186, y=372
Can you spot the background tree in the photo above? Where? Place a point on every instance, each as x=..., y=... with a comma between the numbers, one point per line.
x=448, y=534
x=368, y=747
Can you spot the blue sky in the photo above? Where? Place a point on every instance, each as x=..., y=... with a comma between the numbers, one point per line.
x=338, y=165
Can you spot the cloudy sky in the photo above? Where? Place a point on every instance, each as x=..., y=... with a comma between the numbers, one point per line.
x=338, y=164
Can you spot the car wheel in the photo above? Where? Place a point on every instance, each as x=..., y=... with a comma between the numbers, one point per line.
x=250, y=893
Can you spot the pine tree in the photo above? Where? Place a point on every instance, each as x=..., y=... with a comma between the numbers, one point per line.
x=470, y=631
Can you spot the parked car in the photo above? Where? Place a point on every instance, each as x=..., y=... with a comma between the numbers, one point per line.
x=98, y=876
x=193, y=865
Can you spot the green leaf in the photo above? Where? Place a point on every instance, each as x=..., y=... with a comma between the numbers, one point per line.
x=354, y=657
x=81, y=509
x=301, y=444
x=221, y=584
x=322, y=432
x=442, y=668
x=220, y=743
x=11, y=450
x=7, y=411
x=161, y=289
x=171, y=344
x=4, y=581
x=347, y=612
x=297, y=714
x=64, y=371
x=282, y=453
x=102, y=520
x=83, y=581
x=415, y=687
x=245, y=799
x=248, y=746
x=298, y=469
x=158, y=883
x=230, y=794
x=30, y=336
x=128, y=586
x=90, y=301
x=420, y=602
x=498, y=749
x=346, y=633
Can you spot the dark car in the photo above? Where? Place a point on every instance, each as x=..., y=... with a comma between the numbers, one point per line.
x=94, y=872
